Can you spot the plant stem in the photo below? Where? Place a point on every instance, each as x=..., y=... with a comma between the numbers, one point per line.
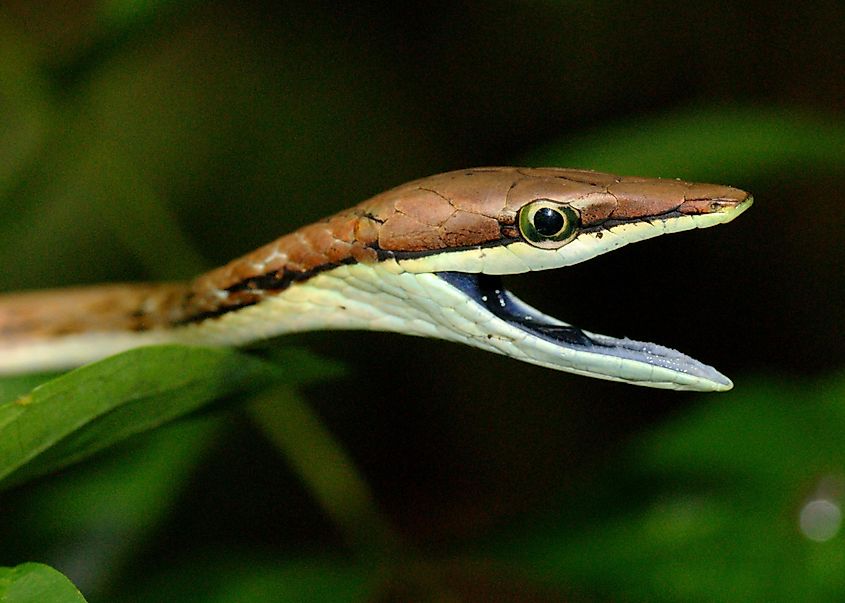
x=327, y=470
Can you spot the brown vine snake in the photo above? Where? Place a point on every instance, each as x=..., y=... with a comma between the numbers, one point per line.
x=424, y=258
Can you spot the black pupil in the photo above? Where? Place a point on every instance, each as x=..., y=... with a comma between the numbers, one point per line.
x=548, y=221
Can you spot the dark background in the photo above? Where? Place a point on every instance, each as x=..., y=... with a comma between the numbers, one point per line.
x=151, y=140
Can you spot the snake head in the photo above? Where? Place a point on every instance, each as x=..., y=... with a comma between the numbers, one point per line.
x=459, y=232
x=575, y=214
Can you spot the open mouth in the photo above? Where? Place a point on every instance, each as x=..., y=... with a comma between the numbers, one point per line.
x=688, y=373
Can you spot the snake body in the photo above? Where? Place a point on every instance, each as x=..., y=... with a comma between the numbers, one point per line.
x=422, y=259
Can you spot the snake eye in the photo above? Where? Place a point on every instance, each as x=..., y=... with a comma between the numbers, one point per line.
x=548, y=224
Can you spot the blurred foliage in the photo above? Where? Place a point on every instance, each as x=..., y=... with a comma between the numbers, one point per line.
x=152, y=139
x=732, y=143
x=726, y=487
x=244, y=577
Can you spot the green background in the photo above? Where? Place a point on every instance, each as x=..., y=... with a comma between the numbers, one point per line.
x=151, y=140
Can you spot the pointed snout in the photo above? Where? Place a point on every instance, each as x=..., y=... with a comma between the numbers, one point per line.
x=651, y=198
x=716, y=199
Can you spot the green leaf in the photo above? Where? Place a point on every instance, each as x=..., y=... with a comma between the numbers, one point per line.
x=36, y=583
x=18, y=385
x=77, y=414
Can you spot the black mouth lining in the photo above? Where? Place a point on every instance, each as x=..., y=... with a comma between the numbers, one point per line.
x=488, y=291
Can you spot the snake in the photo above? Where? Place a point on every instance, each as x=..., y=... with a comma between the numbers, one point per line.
x=425, y=258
